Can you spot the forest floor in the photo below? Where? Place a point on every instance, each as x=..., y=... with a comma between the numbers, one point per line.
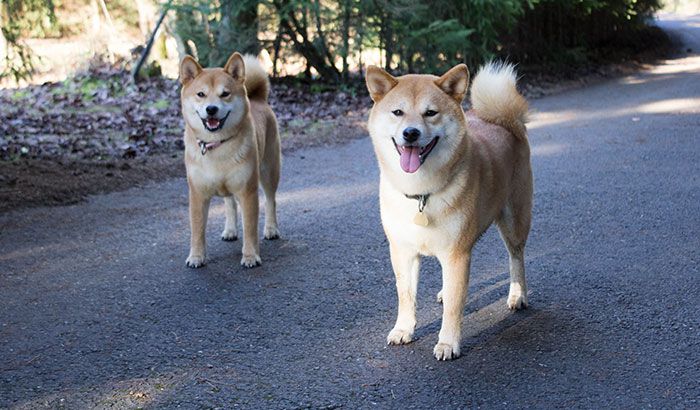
x=99, y=132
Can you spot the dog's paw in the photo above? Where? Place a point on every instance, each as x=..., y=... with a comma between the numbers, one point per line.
x=229, y=235
x=446, y=351
x=399, y=337
x=271, y=233
x=195, y=261
x=439, y=297
x=516, y=301
x=250, y=261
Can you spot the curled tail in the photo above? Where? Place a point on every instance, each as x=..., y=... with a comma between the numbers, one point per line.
x=495, y=98
x=257, y=83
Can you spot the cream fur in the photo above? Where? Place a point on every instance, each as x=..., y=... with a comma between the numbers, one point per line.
x=477, y=174
x=249, y=155
x=495, y=98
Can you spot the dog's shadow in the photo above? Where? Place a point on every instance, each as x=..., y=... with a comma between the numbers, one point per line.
x=485, y=316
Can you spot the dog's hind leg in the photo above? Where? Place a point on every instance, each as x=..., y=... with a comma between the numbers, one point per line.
x=248, y=199
x=269, y=180
x=406, y=264
x=230, y=232
x=514, y=226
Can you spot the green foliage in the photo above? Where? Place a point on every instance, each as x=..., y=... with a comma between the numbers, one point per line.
x=572, y=32
x=435, y=36
x=213, y=30
x=17, y=18
x=87, y=87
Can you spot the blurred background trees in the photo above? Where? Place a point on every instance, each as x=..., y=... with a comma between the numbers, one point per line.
x=334, y=39
x=20, y=19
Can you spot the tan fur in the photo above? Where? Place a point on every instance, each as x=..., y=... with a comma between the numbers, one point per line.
x=257, y=83
x=249, y=155
x=478, y=173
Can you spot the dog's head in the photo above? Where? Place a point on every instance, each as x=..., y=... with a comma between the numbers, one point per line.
x=213, y=99
x=417, y=121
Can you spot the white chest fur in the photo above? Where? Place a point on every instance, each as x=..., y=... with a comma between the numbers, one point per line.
x=219, y=176
x=398, y=218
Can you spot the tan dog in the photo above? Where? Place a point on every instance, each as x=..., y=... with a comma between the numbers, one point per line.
x=231, y=143
x=446, y=176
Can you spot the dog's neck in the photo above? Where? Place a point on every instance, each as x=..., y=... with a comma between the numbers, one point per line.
x=205, y=146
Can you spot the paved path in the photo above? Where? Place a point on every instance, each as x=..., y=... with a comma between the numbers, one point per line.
x=98, y=310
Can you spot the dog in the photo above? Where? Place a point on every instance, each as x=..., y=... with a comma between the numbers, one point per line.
x=231, y=144
x=445, y=176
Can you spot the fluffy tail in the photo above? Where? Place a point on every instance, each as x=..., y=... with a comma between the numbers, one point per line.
x=495, y=98
x=257, y=83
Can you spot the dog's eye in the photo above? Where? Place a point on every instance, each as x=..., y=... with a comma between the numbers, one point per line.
x=201, y=94
x=431, y=113
x=225, y=94
x=397, y=113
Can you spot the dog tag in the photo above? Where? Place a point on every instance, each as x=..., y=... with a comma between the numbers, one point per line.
x=421, y=219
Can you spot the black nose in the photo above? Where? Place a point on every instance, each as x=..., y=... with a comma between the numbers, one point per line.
x=212, y=109
x=411, y=134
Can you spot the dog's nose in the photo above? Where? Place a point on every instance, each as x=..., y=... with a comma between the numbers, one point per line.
x=411, y=134
x=212, y=109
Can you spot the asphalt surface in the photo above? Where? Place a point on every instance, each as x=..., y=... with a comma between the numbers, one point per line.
x=97, y=308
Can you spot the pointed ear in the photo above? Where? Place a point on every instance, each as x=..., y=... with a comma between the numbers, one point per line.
x=455, y=82
x=189, y=69
x=236, y=67
x=379, y=82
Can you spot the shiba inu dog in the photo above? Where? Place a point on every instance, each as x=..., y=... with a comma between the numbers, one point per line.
x=446, y=175
x=231, y=143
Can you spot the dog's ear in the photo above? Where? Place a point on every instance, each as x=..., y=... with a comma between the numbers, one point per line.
x=236, y=67
x=379, y=82
x=455, y=82
x=189, y=69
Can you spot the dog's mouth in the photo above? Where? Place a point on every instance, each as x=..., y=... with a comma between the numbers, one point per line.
x=411, y=157
x=213, y=124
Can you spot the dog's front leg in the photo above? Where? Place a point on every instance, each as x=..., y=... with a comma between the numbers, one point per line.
x=199, y=209
x=455, y=281
x=230, y=232
x=406, y=264
x=251, y=246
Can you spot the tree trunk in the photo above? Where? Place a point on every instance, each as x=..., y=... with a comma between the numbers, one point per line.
x=388, y=42
x=247, y=20
x=3, y=41
x=147, y=14
x=321, y=36
x=276, y=51
x=239, y=27
x=297, y=32
x=347, y=5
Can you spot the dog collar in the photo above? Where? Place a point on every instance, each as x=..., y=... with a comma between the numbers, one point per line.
x=420, y=218
x=208, y=146
x=422, y=200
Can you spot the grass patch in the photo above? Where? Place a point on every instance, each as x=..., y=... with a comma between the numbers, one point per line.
x=88, y=87
x=161, y=104
x=19, y=95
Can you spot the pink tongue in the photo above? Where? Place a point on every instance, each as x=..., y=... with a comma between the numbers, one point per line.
x=410, y=159
x=212, y=122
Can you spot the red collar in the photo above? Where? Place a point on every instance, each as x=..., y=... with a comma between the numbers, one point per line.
x=209, y=146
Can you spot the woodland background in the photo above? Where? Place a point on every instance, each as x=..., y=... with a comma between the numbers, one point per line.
x=334, y=39
x=77, y=118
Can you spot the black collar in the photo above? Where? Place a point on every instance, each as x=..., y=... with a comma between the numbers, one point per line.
x=422, y=200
